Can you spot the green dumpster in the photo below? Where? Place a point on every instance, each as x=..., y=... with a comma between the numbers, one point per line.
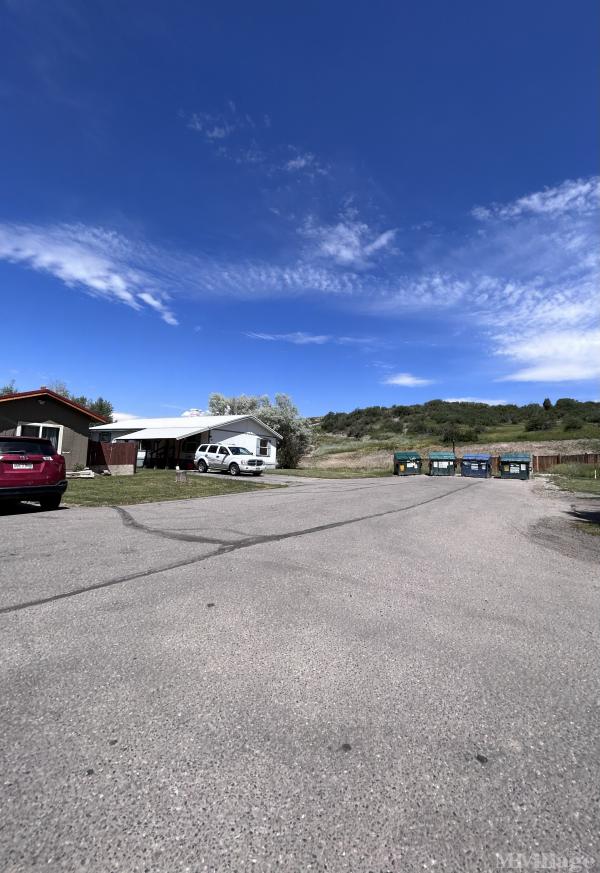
x=515, y=465
x=442, y=463
x=407, y=463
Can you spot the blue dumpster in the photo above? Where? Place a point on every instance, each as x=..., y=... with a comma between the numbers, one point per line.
x=476, y=466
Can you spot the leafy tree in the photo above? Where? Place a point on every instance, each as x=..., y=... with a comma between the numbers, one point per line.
x=451, y=434
x=571, y=422
x=60, y=388
x=100, y=406
x=457, y=433
x=536, y=422
x=282, y=416
x=566, y=404
x=9, y=388
x=416, y=425
x=245, y=404
x=435, y=416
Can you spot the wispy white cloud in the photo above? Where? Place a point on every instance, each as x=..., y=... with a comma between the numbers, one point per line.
x=230, y=133
x=95, y=260
x=223, y=123
x=250, y=153
x=158, y=305
x=427, y=290
x=109, y=265
x=545, y=286
x=381, y=365
x=300, y=162
x=300, y=338
x=304, y=162
x=347, y=243
x=527, y=279
x=580, y=195
x=239, y=137
x=406, y=380
x=553, y=356
x=122, y=416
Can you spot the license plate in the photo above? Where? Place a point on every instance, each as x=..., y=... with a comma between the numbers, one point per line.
x=22, y=466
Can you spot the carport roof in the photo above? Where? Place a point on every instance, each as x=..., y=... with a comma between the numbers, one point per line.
x=188, y=425
x=161, y=433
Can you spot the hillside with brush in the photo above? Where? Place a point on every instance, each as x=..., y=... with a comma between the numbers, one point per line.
x=365, y=438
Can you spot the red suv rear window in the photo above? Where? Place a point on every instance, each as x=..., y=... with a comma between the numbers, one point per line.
x=26, y=447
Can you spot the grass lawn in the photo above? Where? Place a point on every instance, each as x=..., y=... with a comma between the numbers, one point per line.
x=576, y=477
x=150, y=486
x=588, y=528
x=581, y=486
x=334, y=473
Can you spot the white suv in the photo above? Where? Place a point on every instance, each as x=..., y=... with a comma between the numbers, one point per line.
x=233, y=459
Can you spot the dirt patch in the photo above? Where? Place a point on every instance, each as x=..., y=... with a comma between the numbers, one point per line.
x=572, y=532
x=381, y=459
x=551, y=447
x=359, y=460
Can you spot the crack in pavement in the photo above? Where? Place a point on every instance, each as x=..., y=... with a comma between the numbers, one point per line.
x=224, y=548
x=129, y=521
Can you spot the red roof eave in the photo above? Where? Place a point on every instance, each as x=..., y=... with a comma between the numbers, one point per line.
x=46, y=392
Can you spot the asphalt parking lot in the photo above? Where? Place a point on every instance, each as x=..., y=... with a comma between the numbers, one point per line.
x=358, y=675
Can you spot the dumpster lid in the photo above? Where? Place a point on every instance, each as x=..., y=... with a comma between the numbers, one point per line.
x=516, y=456
x=442, y=456
x=407, y=456
x=476, y=457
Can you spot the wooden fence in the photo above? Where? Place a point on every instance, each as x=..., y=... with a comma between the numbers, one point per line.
x=542, y=463
x=111, y=454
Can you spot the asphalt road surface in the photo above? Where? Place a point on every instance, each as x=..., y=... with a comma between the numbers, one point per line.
x=368, y=675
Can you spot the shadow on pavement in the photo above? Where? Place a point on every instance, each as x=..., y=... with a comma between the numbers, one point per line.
x=10, y=507
x=589, y=516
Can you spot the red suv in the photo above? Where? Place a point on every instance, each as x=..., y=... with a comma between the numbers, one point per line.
x=31, y=469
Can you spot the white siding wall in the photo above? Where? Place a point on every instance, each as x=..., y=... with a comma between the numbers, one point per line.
x=236, y=434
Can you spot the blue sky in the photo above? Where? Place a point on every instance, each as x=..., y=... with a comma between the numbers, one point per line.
x=356, y=204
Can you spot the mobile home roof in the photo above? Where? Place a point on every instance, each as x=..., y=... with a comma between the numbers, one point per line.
x=192, y=424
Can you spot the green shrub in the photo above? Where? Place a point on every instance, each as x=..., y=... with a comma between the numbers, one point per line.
x=571, y=422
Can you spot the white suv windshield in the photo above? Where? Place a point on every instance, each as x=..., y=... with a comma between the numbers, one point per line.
x=238, y=450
